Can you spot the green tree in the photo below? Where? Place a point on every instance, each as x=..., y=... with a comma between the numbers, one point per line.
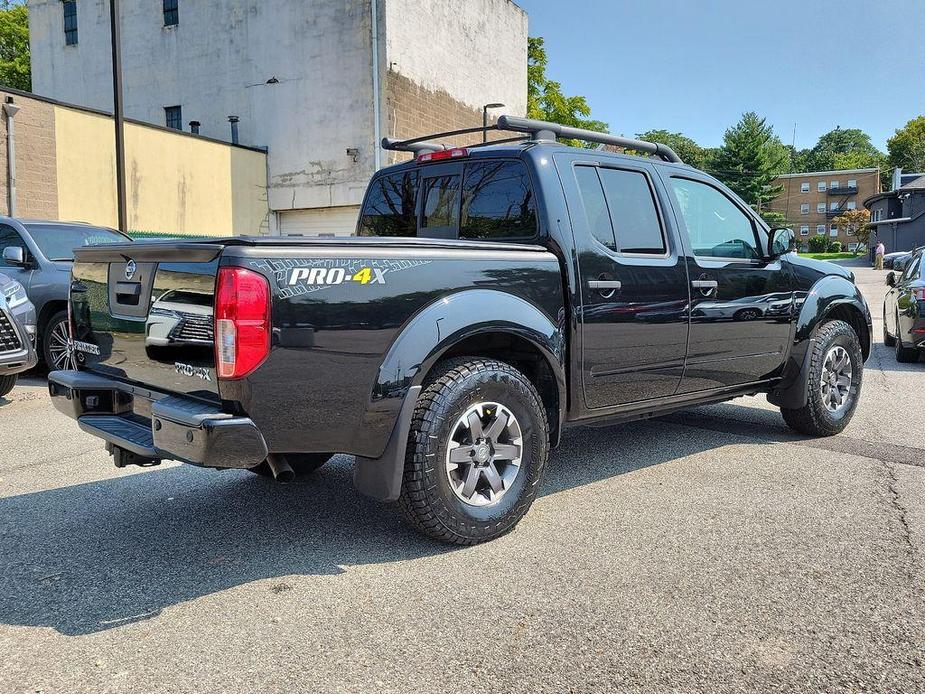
x=15, y=68
x=843, y=146
x=689, y=151
x=907, y=147
x=855, y=223
x=546, y=101
x=751, y=157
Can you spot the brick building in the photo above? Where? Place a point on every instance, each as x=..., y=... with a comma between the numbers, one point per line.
x=315, y=82
x=811, y=201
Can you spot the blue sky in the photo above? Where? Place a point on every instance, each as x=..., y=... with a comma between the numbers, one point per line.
x=694, y=67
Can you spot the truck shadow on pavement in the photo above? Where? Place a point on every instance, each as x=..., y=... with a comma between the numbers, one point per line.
x=94, y=556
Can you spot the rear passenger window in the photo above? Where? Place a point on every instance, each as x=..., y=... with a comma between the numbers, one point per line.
x=592, y=199
x=391, y=206
x=497, y=202
x=441, y=202
x=636, y=225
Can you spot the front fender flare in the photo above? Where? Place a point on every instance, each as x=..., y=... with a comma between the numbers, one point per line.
x=823, y=298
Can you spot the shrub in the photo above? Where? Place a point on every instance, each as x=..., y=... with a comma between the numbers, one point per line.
x=835, y=247
x=818, y=244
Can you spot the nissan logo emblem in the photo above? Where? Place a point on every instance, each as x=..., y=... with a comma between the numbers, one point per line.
x=130, y=269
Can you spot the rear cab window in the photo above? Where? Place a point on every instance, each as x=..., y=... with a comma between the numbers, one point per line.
x=486, y=199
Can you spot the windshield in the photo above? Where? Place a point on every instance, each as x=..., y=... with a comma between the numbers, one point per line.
x=57, y=242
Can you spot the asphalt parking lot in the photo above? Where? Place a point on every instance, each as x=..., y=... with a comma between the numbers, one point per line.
x=711, y=550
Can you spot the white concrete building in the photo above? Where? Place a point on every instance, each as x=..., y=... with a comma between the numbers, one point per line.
x=302, y=77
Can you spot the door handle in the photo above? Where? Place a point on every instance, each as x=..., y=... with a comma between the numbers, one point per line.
x=605, y=284
x=704, y=284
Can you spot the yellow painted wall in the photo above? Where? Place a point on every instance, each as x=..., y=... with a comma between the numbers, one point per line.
x=175, y=184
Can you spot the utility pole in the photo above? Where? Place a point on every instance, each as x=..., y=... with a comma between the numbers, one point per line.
x=117, y=111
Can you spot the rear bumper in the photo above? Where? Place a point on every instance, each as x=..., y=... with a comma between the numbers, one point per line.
x=157, y=426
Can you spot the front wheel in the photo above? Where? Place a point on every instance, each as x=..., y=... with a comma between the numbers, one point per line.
x=833, y=384
x=477, y=452
x=56, y=344
x=6, y=384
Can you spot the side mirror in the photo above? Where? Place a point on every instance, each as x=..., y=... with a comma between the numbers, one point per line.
x=781, y=241
x=14, y=255
x=891, y=279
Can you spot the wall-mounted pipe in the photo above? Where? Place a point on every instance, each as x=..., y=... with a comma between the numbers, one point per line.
x=11, y=110
x=377, y=109
x=234, y=129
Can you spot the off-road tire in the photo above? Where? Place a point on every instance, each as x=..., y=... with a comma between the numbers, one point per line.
x=301, y=463
x=814, y=419
x=888, y=339
x=6, y=384
x=904, y=355
x=427, y=498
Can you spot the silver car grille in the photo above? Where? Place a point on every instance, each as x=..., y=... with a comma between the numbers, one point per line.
x=9, y=338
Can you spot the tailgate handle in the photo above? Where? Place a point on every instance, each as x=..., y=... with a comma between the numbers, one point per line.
x=128, y=292
x=78, y=287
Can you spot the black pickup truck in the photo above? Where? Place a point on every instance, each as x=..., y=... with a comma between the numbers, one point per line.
x=493, y=294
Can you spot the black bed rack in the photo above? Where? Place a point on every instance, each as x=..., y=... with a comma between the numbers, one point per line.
x=532, y=131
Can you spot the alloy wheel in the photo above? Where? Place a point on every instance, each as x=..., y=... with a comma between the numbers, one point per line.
x=60, y=348
x=484, y=454
x=836, y=379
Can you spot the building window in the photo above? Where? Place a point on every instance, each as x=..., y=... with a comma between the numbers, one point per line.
x=834, y=207
x=852, y=183
x=834, y=185
x=876, y=215
x=804, y=187
x=804, y=208
x=833, y=230
x=171, y=13
x=804, y=230
x=820, y=229
x=850, y=230
x=851, y=205
x=70, y=22
x=174, y=117
x=820, y=207
x=820, y=186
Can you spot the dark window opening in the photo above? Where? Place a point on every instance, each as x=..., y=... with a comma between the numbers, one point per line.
x=174, y=117
x=592, y=198
x=441, y=202
x=636, y=225
x=497, y=202
x=391, y=206
x=171, y=13
x=70, y=22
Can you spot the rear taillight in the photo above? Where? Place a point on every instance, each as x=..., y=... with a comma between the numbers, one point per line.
x=919, y=293
x=242, y=321
x=454, y=153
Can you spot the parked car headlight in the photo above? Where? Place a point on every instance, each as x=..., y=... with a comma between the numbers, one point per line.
x=15, y=294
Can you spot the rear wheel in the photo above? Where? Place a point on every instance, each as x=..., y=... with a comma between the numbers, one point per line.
x=56, y=344
x=477, y=452
x=301, y=463
x=904, y=355
x=6, y=384
x=833, y=384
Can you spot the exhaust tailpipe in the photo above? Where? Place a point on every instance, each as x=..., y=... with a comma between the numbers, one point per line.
x=282, y=471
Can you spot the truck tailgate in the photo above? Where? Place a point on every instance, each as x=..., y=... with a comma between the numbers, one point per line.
x=143, y=313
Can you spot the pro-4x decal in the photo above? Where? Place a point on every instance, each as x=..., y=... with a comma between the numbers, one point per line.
x=298, y=276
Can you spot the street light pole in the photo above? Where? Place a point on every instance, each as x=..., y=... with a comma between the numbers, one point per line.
x=117, y=111
x=485, y=119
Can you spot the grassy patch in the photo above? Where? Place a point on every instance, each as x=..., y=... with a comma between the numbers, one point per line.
x=829, y=256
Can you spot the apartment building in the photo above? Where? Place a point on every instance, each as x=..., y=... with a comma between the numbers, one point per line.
x=811, y=201
x=315, y=82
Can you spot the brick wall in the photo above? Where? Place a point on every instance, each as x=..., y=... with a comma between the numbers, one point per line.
x=36, y=165
x=412, y=111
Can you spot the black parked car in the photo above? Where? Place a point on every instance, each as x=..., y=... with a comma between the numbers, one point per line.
x=520, y=287
x=904, y=309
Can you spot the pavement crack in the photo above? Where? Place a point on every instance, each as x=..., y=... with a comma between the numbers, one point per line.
x=905, y=532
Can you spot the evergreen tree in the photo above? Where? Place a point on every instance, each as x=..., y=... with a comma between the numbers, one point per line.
x=750, y=159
